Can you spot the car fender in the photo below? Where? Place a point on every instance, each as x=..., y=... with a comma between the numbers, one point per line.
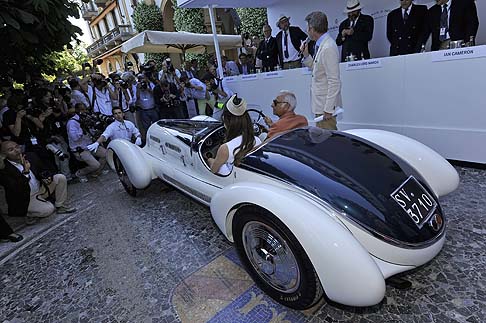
x=435, y=169
x=346, y=270
x=133, y=159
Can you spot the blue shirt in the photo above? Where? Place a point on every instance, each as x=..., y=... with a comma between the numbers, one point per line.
x=319, y=42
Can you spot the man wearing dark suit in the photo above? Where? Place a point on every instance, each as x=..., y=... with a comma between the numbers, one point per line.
x=406, y=27
x=289, y=39
x=355, y=32
x=267, y=50
x=244, y=66
x=27, y=185
x=450, y=20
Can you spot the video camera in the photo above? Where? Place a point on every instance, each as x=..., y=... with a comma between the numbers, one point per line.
x=94, y=125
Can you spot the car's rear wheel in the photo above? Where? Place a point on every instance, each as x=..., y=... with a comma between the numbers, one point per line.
x=123, y=176
x=275, y=259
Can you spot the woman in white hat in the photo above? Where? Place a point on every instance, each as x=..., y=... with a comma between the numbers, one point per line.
x=240, y=138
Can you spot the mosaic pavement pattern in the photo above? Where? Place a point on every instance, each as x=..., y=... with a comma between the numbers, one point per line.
x=160, y=258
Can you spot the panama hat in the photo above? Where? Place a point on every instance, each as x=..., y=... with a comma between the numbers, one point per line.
x=352, y=5
x=236, y=105
x=281, y=18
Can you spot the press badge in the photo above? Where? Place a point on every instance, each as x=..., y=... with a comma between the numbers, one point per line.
x=443, y=31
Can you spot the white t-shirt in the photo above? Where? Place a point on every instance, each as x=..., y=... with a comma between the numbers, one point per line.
x=121, y=130
x=233, y=144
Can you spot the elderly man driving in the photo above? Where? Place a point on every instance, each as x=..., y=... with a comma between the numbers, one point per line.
x=283, y=107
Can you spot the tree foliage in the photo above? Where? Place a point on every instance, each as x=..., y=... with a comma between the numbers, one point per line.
x=252, y=20
x=147, y=17
x=69, y=60
x=190, y=20
x=33, y=29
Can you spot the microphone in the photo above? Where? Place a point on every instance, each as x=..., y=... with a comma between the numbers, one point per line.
x=306, y=42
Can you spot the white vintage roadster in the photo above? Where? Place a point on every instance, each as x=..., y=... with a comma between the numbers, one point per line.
x=310, y=211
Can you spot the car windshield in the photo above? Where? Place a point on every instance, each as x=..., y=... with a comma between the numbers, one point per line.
x=189, y=128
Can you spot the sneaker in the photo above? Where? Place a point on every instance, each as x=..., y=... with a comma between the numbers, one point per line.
x=63, y=209
x=13, y=237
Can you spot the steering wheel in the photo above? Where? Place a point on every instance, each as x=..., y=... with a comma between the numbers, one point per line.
x=259, y=122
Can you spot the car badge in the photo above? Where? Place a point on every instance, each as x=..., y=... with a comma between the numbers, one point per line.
x=436, y=222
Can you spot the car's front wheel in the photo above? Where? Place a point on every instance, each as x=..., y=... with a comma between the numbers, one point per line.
x=275, y=259
x=123, y=176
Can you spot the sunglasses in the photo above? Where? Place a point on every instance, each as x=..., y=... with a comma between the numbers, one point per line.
x=275, y=102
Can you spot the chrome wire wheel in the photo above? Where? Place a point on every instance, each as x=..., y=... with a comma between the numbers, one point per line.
x=123, y=177
x=271, y=256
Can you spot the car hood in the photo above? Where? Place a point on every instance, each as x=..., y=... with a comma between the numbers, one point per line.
x=354, y=176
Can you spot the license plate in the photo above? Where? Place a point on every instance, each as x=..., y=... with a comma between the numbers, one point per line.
x=415, y=201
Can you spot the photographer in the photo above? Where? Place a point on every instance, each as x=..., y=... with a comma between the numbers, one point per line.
x=167, y=101
x=194, y=88
x=21, y=124
x=145, y=102
x=29, y=185
x=81, y=92
x=126, y=100
x=119, y=129
x=169, y=72
x=103, y=95
x=79, y=139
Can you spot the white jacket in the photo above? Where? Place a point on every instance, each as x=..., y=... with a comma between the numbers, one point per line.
x=326, y=81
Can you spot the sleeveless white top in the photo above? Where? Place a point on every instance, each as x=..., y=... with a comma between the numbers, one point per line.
x=234, y=143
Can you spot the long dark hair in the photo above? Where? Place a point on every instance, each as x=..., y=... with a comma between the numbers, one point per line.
x=239, y=126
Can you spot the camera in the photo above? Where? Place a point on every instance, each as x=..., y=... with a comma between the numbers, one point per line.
x=86, y=64
x=123, y=84
x=143, y=85
x=56, y=150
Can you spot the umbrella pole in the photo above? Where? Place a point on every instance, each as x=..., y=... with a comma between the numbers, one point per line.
x=216, y=42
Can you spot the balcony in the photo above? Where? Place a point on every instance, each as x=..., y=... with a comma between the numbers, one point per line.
x=101, y=3
x=113, y=38
x=88, y=10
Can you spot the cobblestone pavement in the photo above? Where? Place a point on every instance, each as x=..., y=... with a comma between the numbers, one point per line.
x=160, y=258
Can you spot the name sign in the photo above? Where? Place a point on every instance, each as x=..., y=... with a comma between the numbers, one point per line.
x=250, y=77
x=362, y=65
x=230, y=79
x=272, y=75
x=459, y=53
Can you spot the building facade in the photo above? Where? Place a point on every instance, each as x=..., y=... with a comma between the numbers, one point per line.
x=110, y=24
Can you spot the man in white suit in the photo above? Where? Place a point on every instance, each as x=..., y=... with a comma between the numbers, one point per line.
x=326, y=82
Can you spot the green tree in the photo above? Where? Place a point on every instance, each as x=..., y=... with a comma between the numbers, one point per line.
x=33, y=29
x=69, y=60
x=252, y=20
x=190, y=20
x=149, y=17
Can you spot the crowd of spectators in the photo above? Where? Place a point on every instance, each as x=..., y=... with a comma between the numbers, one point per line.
x=54, y=133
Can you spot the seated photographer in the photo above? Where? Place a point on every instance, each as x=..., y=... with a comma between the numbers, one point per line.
x=145, y=102
x=167, y=101
x=103, y=95
x=119, y=129
x=79, y=139
x=283, y=107
x=29, y=185
x=239, y=140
